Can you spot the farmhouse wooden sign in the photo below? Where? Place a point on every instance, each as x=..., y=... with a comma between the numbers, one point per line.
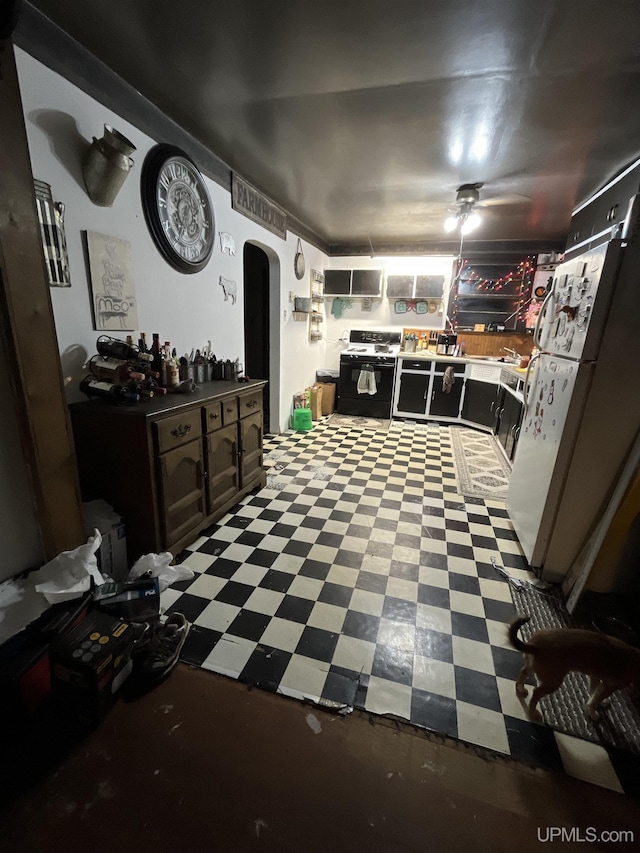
x=257, y=207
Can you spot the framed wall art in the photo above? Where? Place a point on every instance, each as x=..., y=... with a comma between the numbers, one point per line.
x=112, y=285
x=54, y=243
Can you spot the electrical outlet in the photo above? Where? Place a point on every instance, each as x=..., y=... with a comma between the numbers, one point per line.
x=285, y=314
x=292, y=296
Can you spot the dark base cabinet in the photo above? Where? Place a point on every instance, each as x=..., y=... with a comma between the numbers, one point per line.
x=482, y=401
x=174, y=465
x=446, y=404
x=509, y=424
x=414, y=391
x=491, y=400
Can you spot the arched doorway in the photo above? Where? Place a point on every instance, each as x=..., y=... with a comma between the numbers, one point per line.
x=261, y=328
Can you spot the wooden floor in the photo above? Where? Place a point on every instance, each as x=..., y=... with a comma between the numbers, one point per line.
x=203, y=763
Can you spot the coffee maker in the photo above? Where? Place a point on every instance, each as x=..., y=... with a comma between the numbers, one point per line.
x=446, y=344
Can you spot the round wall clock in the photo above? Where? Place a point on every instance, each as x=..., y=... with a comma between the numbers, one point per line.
x=298, y=262
x=177, y=208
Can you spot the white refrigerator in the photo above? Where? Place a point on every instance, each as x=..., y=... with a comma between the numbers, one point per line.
x=582, y=402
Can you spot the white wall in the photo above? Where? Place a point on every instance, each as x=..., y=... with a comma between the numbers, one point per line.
x=187, y=310
x=382, y=314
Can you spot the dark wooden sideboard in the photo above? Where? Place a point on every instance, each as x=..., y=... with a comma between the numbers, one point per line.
x=172, y=465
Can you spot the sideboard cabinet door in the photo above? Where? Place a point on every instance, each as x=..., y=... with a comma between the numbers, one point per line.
x=222, y=466
x=182, y=499
x=251, y=445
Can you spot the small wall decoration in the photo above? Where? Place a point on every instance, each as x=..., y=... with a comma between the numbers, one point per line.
x=227, y=243
x=112, y=285
x=106, y=164
x=230, y=289
x=51, y=217
x=298, y=262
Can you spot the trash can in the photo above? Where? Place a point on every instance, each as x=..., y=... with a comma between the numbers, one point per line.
x=302, y=420
x=327, y=375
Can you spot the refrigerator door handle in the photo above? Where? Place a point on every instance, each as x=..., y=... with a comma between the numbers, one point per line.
x=527, y=379
x=537, y=332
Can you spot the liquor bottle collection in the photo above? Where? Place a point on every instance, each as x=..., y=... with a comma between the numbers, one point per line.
x=123, y=370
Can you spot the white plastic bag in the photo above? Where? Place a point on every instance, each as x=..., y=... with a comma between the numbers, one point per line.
x=158, y=565
x=69, y=574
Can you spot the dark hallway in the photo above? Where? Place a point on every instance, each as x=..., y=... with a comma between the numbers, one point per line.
x=256, y=318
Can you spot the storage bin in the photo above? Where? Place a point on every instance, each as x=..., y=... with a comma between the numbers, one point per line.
x=302, y=304
x=302, y=420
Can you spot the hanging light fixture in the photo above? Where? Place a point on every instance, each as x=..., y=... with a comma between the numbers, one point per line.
x=465, y=218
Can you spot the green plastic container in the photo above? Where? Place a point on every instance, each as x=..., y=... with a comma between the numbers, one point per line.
x=302, y=420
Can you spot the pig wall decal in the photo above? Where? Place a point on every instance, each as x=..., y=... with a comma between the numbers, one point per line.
x=227, y=243
x=230, y=289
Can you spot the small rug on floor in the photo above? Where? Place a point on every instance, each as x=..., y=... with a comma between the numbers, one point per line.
x=481, y=469
x=381, y=424
x=564, y=709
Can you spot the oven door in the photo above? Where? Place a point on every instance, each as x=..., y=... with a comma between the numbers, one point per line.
x=376, y=405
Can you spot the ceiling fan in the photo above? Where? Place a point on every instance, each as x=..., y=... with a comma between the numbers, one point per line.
x=465, y=214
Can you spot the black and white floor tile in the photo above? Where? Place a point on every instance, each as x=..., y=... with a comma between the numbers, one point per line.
x=360, y=576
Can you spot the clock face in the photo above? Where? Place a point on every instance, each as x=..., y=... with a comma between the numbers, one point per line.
x=177, y=208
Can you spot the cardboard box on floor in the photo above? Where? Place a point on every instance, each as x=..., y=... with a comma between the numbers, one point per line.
x=112, y=556
x=315, y=401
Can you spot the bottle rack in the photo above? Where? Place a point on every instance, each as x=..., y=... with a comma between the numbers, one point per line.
x=316, y=317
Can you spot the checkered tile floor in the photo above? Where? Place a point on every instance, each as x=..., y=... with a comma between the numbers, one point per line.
x=360, y=577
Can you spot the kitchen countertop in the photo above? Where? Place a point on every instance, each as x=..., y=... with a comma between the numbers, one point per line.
x=464, y=359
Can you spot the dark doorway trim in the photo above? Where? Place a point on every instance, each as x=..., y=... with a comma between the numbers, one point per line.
x=29, y=335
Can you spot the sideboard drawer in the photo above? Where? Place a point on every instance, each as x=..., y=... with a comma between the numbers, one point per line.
x=229, y=411
x=250, y=404
x=212, y=417
x=172, y=432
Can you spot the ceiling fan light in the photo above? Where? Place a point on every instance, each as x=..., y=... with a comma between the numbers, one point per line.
x=470, y=223
x=450, y=223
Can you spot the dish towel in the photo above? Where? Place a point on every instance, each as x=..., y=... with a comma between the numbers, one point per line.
x=367, y=381
x=448, y=380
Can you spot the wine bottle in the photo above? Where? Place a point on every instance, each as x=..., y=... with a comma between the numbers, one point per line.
x=93, y=387
x=156, y=364
x=113, y=370
x=171, y=367
x=114, y=348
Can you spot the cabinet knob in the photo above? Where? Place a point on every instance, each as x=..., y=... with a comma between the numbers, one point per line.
x=181, y=430
x=252, y=404
x=213, y=416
